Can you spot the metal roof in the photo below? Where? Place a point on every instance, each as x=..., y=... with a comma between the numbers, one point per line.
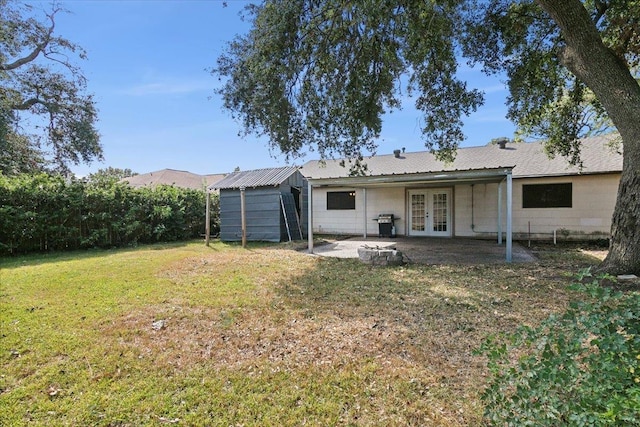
x=527, y=160
x=271, y=177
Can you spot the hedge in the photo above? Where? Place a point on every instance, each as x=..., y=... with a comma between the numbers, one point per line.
x=44, y=213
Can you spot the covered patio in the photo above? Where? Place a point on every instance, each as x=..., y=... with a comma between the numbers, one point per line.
x=412, y=182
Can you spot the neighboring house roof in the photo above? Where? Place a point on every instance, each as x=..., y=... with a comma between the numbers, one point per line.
x=178, y=178
x=527, y=160
x=255, y=178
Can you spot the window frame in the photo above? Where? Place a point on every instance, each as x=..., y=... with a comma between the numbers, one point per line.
x=341, y=200
x=555, y=195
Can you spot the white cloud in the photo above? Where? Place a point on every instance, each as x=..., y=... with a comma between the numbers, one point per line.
x=170, y=87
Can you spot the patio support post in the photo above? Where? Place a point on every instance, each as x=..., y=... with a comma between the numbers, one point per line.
x=207, y=219
x=364, y=203
x=500, y=213
x=310, y=216
x=509, y=213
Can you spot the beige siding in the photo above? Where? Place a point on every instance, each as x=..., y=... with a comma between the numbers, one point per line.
x=594, y=198
x=386, y=201
x=336, y=221
x=379, y=201
x=477, y=215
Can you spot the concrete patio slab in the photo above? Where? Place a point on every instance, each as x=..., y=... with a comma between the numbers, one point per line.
x=426, y=250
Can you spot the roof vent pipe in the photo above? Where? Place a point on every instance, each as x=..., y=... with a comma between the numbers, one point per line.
x=396, y=154
x=502, y=142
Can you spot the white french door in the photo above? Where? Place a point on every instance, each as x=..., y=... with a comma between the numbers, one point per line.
x=430, y=212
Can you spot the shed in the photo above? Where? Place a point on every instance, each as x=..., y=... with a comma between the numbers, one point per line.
x=273, y=205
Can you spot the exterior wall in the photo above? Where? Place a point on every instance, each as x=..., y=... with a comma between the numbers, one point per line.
x=389, y=200
x=336, y=221
x=594, y=198
x=263, y=215
x=477, y=216
x=386, y=201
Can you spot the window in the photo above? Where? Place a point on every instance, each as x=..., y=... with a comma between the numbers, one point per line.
x=341, y=200
x=547, y=195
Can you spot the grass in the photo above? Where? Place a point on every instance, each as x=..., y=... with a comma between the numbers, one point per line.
x=264, y=336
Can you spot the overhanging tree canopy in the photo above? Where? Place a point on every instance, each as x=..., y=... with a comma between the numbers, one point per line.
x=40, y=84
x=319, y=75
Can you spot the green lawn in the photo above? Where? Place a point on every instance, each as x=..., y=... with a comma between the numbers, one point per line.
x=264, y=336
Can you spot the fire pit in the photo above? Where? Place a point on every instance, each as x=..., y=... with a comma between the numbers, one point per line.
x=380, y=256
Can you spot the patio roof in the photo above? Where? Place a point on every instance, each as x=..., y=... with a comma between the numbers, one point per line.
x=426, y=178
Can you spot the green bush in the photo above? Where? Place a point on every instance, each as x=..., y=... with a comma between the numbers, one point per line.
x=581, y=368
x=42, y=212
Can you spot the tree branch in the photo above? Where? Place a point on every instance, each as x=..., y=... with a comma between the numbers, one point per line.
x=36, y=51
x=25, y=105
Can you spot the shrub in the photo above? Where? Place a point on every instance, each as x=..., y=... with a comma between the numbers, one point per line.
x=581, y=368
x=42, y=212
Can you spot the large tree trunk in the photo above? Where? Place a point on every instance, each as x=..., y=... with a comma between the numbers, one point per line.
x=610, y=79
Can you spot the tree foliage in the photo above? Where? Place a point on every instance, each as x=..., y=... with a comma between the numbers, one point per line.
x=580, y=368
x=320, y=75
x=109, y=175
x=41, y=212
x=46, y=117
x=547, y=99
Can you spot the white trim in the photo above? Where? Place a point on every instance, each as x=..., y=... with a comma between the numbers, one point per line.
x=428, y=194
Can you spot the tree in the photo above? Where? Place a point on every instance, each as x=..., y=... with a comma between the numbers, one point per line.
x=319, y=75
x=109, y=175
x=46, y=117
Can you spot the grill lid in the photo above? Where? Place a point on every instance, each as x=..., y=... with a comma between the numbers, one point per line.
x=384, y=218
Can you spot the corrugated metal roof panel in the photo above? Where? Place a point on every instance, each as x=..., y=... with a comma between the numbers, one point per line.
x=529, y=160
x=255, y=178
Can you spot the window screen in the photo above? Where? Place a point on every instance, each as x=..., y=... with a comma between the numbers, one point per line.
x=341, y=200
x=547, y=195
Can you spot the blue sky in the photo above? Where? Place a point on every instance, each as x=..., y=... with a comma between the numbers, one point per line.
x=146, y=66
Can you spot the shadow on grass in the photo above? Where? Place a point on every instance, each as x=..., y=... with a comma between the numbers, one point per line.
x=9, y=262
x=435, y=315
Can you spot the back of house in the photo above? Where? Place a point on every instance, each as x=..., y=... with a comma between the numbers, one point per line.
x=468, y=197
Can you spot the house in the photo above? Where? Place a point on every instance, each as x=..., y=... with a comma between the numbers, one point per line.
x=510, y=189
x=174, y=177
x=265, y=203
